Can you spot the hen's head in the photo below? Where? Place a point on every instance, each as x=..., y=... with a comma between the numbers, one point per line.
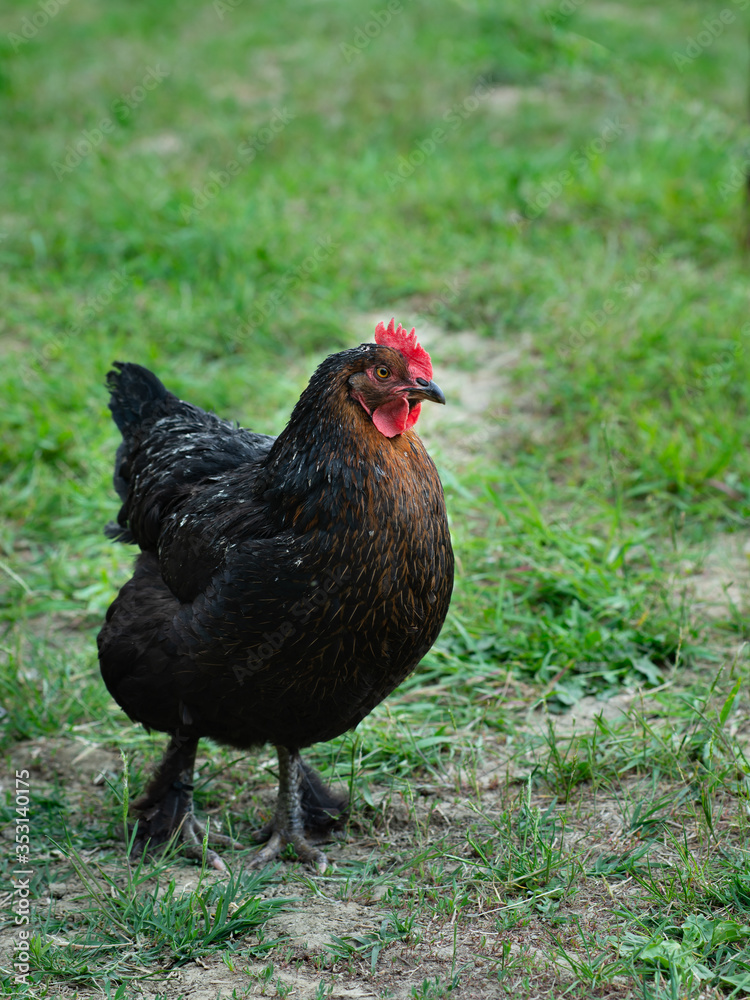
x=397, y=376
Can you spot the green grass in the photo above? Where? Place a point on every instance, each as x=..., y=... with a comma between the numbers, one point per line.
x=583, y=213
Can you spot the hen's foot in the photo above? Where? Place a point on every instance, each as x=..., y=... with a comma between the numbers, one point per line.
x=305, y=811
x=162, y=825
x=165, y=811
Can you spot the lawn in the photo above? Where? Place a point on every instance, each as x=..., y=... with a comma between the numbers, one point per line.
x=556, y=802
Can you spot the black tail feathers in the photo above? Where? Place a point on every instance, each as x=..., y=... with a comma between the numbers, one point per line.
x=119, y=533
x=323, y=808
x=135, y=394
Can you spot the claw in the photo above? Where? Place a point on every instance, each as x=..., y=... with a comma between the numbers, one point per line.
x=193, y=834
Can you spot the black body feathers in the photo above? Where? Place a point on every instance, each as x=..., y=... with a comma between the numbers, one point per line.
x=285, y=585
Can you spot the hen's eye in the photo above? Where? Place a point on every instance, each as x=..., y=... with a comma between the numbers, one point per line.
x=382, y=372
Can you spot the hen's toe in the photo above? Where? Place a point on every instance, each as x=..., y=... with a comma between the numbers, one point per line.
x=279, y=840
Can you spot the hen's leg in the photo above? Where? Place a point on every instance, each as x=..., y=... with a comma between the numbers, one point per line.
x=165, y=809
x=293, y=807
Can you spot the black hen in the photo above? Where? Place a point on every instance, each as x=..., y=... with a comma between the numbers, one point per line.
x=285, y=586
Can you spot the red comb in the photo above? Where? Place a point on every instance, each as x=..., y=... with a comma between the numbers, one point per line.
x=407, y=343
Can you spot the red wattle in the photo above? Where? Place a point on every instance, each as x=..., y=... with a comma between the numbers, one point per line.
x=413, y=415
x=393, y=418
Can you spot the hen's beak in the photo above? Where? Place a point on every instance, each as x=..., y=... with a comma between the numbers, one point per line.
x=426, y=390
